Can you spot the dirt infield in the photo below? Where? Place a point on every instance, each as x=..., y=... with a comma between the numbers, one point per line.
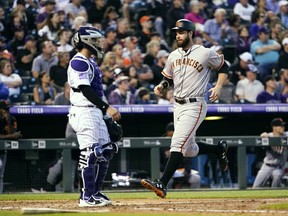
x=176, y=206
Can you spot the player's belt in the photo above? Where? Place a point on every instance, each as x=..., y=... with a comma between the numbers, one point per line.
x=185, y=100
x=274, y=165
x=92, y=106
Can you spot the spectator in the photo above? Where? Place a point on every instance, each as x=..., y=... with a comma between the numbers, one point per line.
x=155, y=36
x=121, y=95
x=79, y=21
x=157, y=68
x=123, y=28
x=45, y=60
x=25, y=56
x=130, y=43
x=261, y=6
x=143, y=96
x=110, y=38
x=230, y=36
x=117, y=49
x=227, y=94
x=17, y=20
x=215, y=29
x=64, y=23
x=8, y=131
x=63, y=38
x=43, y=92
x=244, y=40
x=158, y=9
x=96, y=11
x=265, y=53
x=282, y=84
x=167, y=98
x=109, y=61
x=239, y=69
x=276, y=29
x=18, y=41
x=244, y=10
x=272, y=6
x=269, y=95
x=116, y=73
x=152, y=48
x=175, y=12
x=283, y=58
x=49, y=7
x=110, y=18
x=51, y=27
x=63, y=98
x=248, y=88
x=4, y=23
x=74, y=9
x=58, y=73
x=12, y=80
x=107, y=77
x=145, y=32
x=133, y=78
x=144, y=72
x=196, y=17
x=283, y=12
x=274, y=162
x=258, y=21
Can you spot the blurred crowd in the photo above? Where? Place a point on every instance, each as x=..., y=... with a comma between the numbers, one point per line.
x=35, y=47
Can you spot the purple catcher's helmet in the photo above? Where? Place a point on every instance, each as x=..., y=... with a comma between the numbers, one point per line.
x=90, y=38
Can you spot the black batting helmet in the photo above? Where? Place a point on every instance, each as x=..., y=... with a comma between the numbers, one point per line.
x=184, y=24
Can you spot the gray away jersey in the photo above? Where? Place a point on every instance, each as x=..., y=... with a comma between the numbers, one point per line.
x=190, y=70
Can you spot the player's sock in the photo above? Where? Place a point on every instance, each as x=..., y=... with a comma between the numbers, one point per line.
x=171, y=166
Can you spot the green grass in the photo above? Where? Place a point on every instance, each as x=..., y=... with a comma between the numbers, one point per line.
x=195, y=194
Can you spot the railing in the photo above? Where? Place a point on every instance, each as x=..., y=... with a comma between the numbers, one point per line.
x=154, y=143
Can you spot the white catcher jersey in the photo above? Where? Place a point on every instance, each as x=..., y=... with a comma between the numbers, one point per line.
x=190, y=70
x=84, y=75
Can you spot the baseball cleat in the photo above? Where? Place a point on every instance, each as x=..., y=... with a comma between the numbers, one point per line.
x=222, y=155
x=156, y=186
x=93, y=201
x=100, y=194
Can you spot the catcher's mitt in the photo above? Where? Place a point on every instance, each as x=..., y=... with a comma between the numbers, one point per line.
x=114, y=129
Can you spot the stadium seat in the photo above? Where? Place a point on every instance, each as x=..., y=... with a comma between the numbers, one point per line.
x=20, y=99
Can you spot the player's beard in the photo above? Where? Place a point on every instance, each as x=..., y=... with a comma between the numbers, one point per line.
x=184, y=43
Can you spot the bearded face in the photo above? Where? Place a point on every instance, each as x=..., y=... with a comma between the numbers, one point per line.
x=183, y=39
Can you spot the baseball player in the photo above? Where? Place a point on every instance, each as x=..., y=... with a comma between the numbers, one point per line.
x=86, y=116
x=274, y=162
x=188, y=68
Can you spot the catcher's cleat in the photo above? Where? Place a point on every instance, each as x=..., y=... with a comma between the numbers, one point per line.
x=156, y=186
x=100, y=194
x=93, y=201
x=222, y=155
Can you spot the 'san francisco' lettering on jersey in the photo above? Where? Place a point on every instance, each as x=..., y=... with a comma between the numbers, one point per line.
x=189, y=62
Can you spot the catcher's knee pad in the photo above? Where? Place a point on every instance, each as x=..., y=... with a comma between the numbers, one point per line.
x=109, y=149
